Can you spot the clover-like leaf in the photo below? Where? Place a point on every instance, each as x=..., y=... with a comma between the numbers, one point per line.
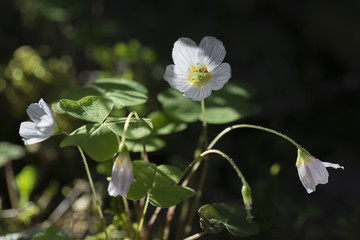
x=224, y=106
x=97, y=140
x=90, y=108
x=122, y=92
x=151, y=143
x=214, y=217
x=158, y=182
x=138, y=128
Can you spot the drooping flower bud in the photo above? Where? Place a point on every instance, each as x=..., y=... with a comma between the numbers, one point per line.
x=122, y=174
x=246, y=194
x=312, y=171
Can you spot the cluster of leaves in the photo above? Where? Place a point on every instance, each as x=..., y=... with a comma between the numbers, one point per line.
x=104, y=105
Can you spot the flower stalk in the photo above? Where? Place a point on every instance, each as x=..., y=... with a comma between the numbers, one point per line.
x=96, y=199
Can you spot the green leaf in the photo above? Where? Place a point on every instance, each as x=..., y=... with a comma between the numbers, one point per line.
x=210, y=219
x=169, y=195
x=158, y=180
x=224, y=106
x=137, y=191
x=214, y=217
x=76, y=96
x=152, y=144
x=145, y=173
x=172, y=172
x=9, y=151
x=97, y=140
x=138, y=128
x=91, y=108
x=25, y=182
x=229, y=104
x=179, y=107
x=163, y=125
x=122, y=92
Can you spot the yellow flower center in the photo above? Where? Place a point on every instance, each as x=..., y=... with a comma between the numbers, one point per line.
x=199, y=75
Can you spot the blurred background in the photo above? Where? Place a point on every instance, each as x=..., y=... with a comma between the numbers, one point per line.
x=301, y=58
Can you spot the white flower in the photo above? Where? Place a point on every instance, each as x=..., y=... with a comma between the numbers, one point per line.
x=198, y=69
x=122, y=174
x=312, y=171
x=43, y=125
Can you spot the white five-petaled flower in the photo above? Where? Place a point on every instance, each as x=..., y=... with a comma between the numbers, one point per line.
x=198, y=69
x=122, y=174
x=312, y=171
x=43, y=123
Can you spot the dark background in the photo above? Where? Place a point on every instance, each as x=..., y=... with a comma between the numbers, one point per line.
x=301, y=57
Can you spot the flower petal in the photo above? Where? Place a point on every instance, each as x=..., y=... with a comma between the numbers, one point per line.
x=176, y=78
x=333, y=165
x=185, y=53
x=219, y=76
x=35, y=112
x=198, y=93
x=211, y=52
x=28, y=130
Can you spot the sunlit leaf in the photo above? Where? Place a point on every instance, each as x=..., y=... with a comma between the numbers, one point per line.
x=152, y=144
x=158, y=182
x=224, y=106
x=169, y=195
x=90, y=108
x=163, y=125
x=138, y=128
x=97, y=140
x=122, y=92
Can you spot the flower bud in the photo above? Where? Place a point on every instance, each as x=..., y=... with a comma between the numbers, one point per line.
x=246, y=194
x=122, y=174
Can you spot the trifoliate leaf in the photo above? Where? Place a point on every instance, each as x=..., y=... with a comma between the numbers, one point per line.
x=214, y=217
x=90, y=108
x=97, y=140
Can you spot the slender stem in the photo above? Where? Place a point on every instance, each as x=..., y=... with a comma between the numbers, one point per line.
x=203, y=142
x=144, y=212
x=169, y=217
x=195, y=236
x=146, y=158
x=195, y=204
x=127, y=211
x=152, y=221
x=203, y=113
x=239, y=173
x=126, y=126
x=255, y=127
x=97, y=203
x=10, y=181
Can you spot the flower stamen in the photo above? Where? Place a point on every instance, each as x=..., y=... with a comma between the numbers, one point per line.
x=199, y=75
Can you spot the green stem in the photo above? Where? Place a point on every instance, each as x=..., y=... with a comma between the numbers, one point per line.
x=239, y=173
x=254, y=127
x=195, y=204
x=127, y=211
x=144, y=213
x=97, y=203
x=126, y=126
x=203, y=113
